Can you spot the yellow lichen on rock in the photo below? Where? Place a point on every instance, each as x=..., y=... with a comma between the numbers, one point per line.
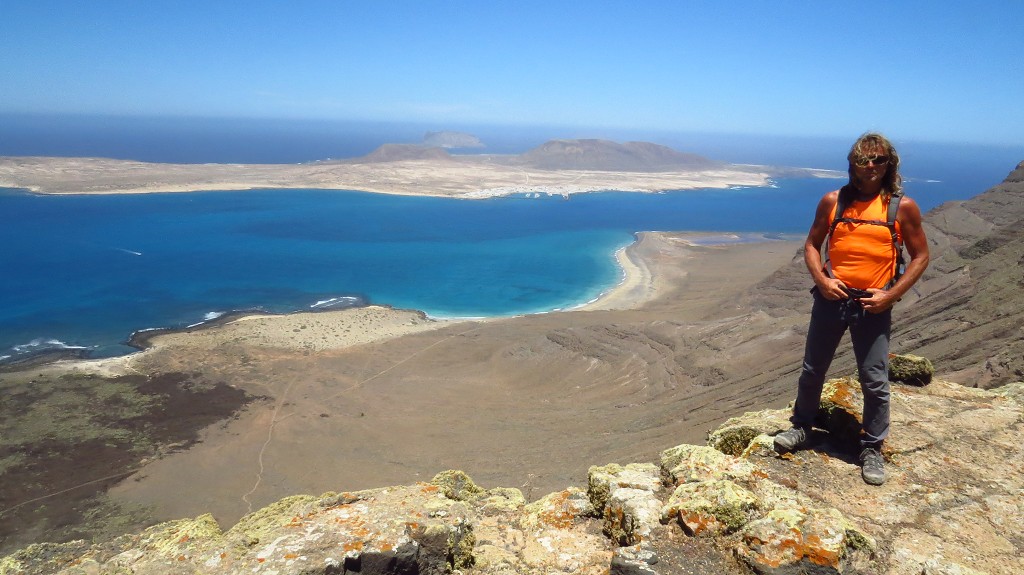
x=687, y=463
x=708, y=508
x=603, y=479
x=561, y=509
x=456, y=485
x=793, y=536
x=735, y=435
x=910, y=369
x=180, y=538
x=253, y=528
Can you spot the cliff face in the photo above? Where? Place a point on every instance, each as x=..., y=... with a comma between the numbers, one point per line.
x=975, y=286
x=952, y=504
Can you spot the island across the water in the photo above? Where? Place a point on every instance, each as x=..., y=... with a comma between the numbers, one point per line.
x=556, y=167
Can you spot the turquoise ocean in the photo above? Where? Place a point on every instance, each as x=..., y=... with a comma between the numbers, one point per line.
x=85, y=272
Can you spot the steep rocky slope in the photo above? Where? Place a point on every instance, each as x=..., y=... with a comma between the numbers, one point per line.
x=971, y=306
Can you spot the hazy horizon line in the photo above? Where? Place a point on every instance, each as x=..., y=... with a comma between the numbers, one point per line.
x=608, y=131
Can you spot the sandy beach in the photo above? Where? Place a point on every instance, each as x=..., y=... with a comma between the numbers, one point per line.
x=339, y=329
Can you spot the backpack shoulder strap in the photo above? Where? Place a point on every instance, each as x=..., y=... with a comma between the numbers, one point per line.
x=840, y=208
x=894, y=208
x=890, y=221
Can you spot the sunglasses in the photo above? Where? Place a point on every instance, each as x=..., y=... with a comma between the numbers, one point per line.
x=862, y=161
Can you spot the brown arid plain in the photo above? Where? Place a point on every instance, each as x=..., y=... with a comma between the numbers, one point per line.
x=700, y=329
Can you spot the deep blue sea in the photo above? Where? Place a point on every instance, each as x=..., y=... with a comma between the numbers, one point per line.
x=87, y=271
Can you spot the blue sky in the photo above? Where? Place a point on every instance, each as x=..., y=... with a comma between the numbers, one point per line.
x=940, y=70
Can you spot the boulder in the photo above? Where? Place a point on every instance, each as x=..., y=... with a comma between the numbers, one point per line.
x=710, y=508
x=735, y=435
x=793, y=541
x=626, y=498
x=689, y=463
x=910, y=369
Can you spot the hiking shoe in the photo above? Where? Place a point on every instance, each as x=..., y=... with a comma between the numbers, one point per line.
x=872, y=466
x=791, y=439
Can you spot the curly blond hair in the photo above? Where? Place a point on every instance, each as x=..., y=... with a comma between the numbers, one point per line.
x=892, y=181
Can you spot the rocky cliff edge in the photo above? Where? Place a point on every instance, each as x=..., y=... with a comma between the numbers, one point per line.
x=953, y=505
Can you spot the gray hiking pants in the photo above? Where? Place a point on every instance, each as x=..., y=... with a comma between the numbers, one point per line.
x=870, y=336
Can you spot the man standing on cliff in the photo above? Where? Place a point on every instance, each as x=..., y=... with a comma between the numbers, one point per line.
x=857, y=282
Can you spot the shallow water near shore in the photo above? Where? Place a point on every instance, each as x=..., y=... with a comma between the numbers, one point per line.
x=84, y=272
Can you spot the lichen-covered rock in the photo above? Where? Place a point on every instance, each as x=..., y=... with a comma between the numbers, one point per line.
x=626, y=498
x=760, y=446
x=1012, y=391
x=456, y=485
x=793, y=541
x=735, y=435
x=500, y=500
x=43, y=558
x=552, y=542
x=385, y=531
x=687, y=463
x=561, y=509
x=379, y=531
x=603, y=480
x=256, y=526
x=631, y=515
x=565, y=551
x=910, y=369
x=709, y=508
x=182, y=539
x=556, y=535
x=841, y=409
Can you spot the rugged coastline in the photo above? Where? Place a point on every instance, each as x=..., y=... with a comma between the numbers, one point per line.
x=320, y=330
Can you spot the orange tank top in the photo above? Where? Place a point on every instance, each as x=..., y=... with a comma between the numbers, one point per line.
x=862, y=255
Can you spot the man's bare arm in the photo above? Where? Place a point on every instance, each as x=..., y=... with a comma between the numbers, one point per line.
x=830, y=288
